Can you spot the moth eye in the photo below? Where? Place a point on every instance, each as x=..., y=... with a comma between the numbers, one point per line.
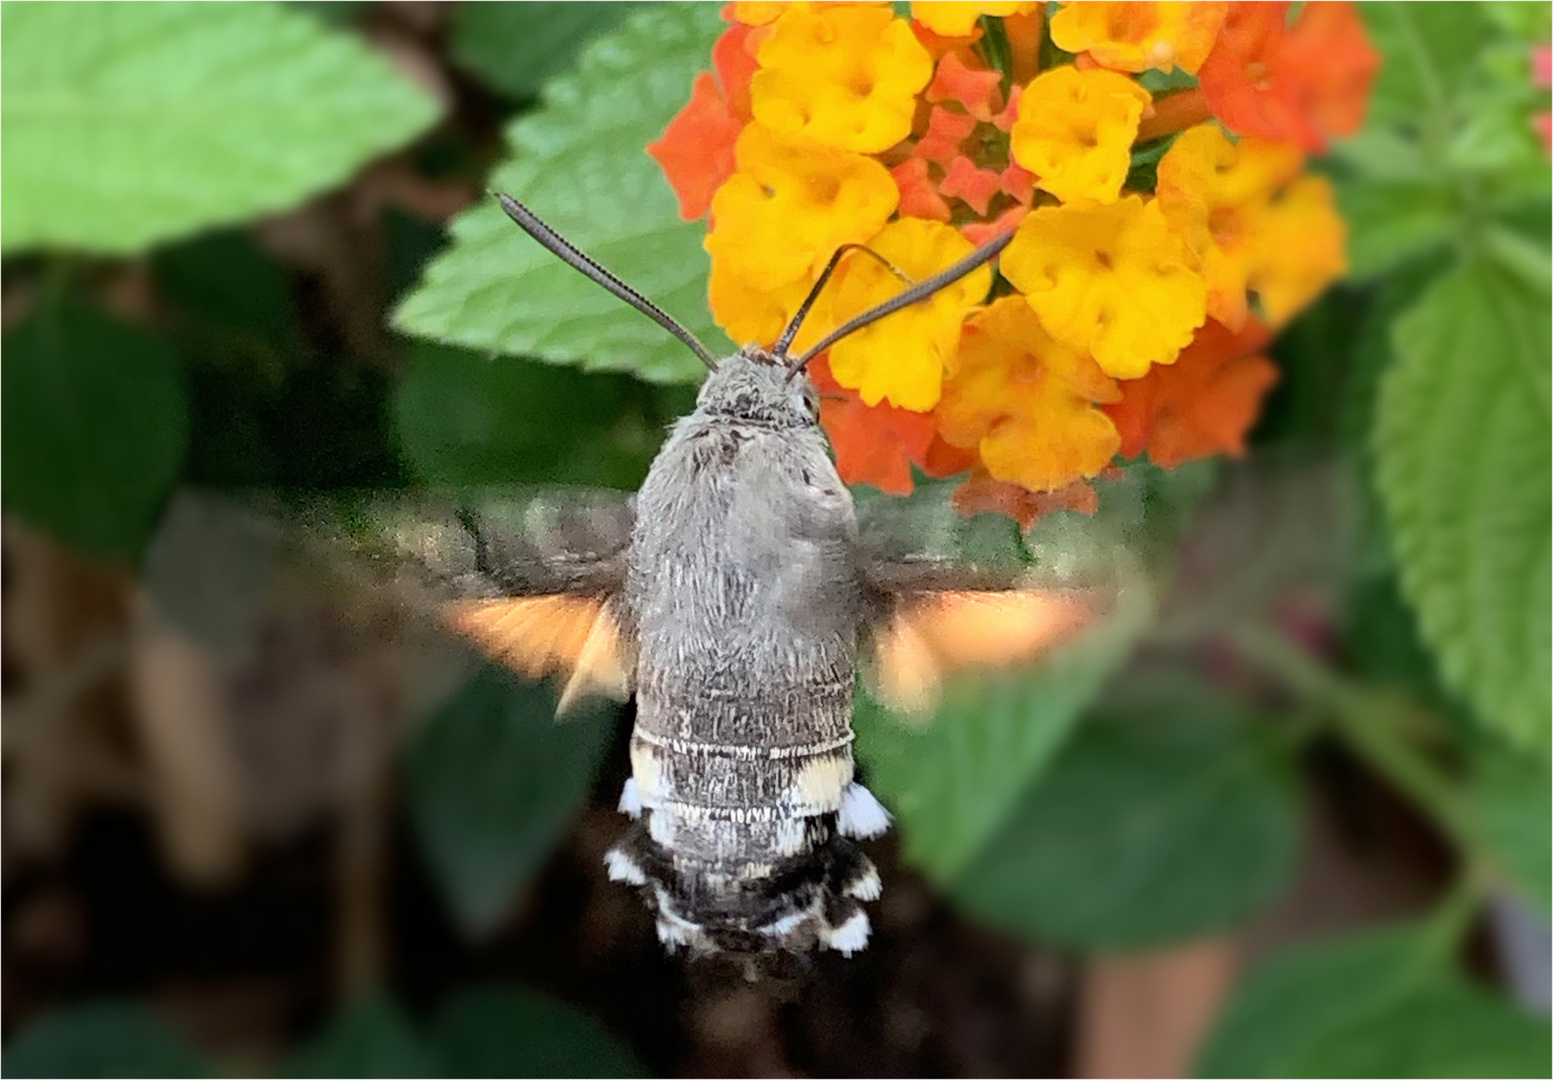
x=811, y=402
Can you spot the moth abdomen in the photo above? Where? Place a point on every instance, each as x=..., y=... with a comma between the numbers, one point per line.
x=749, y=848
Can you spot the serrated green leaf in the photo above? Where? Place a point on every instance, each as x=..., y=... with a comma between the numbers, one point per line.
x=494, y=780
x=95, y=418
x=1168, y=815
x=103, y=1039
x=1363, y=1006
x=1462, y=465
x=579, y=162
x=502, y=1031
x=371, y=1036
x=517, y=47
x=129, y=124
x=952, y=782
x=465, y=419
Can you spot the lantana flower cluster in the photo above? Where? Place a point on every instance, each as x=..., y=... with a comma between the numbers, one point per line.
x=1150, y=159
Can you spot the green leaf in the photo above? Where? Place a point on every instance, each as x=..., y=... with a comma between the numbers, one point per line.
x=1365, y=1005
x=1512, y=803
x=371, y=1036
x=518, y=47
x=501, y=1031
x=1170, y=814
x=494, y=781
x=129, y=124
x=579, y=162
x=108, y=1038
x=952, y=782
x=1391, y=220
x=96, y=418
x=1462, y=465
x=1429, y=51
x=467, y=419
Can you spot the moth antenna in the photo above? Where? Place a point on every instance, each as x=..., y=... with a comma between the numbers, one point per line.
x=558, y=246
x=920, y=291
x=780, y=349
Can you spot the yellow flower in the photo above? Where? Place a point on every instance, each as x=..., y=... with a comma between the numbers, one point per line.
x=758, y=316
x=1111, y=281
x=954, y=18
x=791, y=204
x=1075, y=130
x=1301, y=249
x=1250, y=222
x=765, y=12
x=901, y=358
x=1026, y=403
x=1133, y=36
x=846, y=76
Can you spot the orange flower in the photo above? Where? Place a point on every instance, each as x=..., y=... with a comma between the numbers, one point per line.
x=919, y=198
x=1113, y=282
x=1291, y=84
x=874, y=444
x=945, y=132
x=1026, y=403
x=1301, y=249
x=791, y=204
x=1123, y=35
x=981, y=494
x=980, y=91
x=972, y=186
x=1205, y=403
x=847, y=77
x=696, y=151
x=901, y=359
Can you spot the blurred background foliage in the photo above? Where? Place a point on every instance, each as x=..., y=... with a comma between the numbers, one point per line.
x=246, y=247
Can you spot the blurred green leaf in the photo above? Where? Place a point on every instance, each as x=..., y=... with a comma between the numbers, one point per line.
x=1391, y=220
x=579, y=163
x=501, y=1031
x=518, y=47
x=1366, y=1005
x=1169, y=814
x=1512, y=802
x=494, y=780
x=1430, y=52
x=952, y=782
x=128, y=124
x=232, y=301
x=371, y=1036
x=104, y=1039
x=96, y=419
x=1462, y=456
x=466, y=419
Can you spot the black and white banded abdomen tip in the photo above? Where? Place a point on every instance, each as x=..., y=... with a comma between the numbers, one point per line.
x=788, y=883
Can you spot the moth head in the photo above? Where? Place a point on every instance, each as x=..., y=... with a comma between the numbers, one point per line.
x=755, y=386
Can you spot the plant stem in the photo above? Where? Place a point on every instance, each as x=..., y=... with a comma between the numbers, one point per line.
x=1372, y=723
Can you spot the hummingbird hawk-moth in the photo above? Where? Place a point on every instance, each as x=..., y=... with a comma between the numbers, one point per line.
x=737, y=597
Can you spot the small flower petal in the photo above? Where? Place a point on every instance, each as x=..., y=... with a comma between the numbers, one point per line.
x=919, y=198
x=1026, y=402
x=696, y=152
x=1075, y=132
x=978, y=90
x=972, y=186
x=847, y=77
x=981, y=494
x=946, y=131
x=1123, y=35
x=1205, y=403
x=875, y=444
x=1111, y=281
x=953, y=18
x=901, y=358
x=791, y=204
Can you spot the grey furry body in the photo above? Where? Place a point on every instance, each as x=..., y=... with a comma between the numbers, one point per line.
x=744, y=599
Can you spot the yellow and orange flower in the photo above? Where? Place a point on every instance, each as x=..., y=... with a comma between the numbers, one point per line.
x=1123, y=322
x=1136, y=35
